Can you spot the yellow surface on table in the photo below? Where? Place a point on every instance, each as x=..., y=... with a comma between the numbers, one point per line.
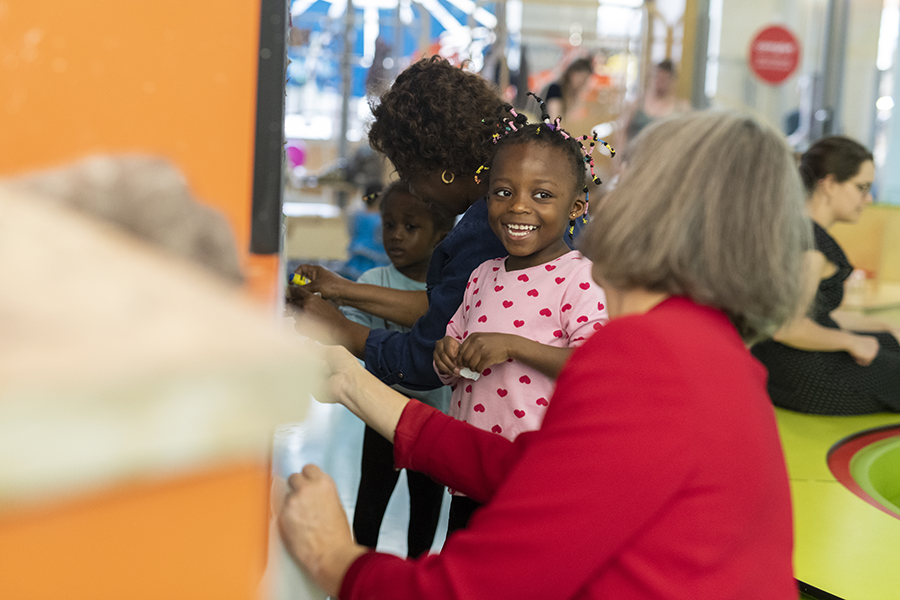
x=842, y=544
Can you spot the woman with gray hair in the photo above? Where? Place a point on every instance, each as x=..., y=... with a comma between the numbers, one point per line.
x=630, y=489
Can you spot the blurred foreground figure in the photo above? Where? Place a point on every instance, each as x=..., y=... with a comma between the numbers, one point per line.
x=147, y=197
x=138, y=386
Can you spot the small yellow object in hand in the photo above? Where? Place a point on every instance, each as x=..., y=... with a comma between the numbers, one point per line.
x=299, y=279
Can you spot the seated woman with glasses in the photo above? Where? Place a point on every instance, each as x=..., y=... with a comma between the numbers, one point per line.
x=826, y=361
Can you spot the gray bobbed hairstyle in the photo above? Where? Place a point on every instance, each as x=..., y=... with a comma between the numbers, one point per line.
x=711, y=206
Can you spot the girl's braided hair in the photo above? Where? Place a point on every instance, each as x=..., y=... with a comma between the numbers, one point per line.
x=436, y=116
x=579, y=149
x=517, y=130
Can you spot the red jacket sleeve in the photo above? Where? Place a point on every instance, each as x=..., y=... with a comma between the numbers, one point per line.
x=456, y=454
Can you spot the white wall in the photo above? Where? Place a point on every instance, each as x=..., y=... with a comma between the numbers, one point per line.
x=738, y=87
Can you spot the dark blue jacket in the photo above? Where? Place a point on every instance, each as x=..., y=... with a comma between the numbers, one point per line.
x=406, y=358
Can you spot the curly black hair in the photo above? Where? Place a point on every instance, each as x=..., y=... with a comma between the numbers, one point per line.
x=434, y=117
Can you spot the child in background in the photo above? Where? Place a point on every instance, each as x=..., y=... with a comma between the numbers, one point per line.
x=410, y=232
x=522, y=315
x=365, y=250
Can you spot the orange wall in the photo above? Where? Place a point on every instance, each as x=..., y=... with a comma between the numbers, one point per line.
x=199, y=536
x=176, y=78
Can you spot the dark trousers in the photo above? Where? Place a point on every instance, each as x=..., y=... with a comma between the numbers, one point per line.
x=461, y=511
x=379, y=477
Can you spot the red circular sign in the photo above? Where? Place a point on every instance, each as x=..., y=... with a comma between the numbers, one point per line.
x=774, y=54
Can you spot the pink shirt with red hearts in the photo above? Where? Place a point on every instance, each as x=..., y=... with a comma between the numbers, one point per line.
x=557, y=304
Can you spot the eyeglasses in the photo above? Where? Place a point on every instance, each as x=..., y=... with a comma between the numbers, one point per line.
x=864, y=188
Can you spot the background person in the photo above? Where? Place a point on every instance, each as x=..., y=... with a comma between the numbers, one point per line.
x=410, y=233
x=826, y=361
x=562, y=95
x=629, y=490
x=658, y=101
x=365, y=250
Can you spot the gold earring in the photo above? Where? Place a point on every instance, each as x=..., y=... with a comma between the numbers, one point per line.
x=448, y=179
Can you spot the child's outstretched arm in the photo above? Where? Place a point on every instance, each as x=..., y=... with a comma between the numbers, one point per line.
x=402, y=307
x=481, y=350
x=333, y=327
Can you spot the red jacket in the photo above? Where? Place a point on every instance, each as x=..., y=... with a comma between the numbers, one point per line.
x=657, y=474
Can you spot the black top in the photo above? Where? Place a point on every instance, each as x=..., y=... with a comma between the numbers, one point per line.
x=832, y=383
x=831, y=290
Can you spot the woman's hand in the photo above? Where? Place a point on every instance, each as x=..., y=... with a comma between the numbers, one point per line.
x=481, y=350
x=343, y=371
x=445, y=353
x=864, y=349
x=322, y=281
x=315, y=529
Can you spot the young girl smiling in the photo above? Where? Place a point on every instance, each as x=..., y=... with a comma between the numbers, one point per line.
x=522, y=315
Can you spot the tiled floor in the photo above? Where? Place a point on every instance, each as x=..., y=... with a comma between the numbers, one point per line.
x=331, y=437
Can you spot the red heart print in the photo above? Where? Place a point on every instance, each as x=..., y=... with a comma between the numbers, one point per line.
x=582, y=319
x=522, y=277
x=496, y=268
x=498, y=288
x=597, y=326
x=565, y=307
x=486, y=372
x=501, y=392
x=507, y=303
x=559, y=280
x=451, y=320
x=518, y=323
x=476, y=291
x=519, y=413
x=584, y=285
x=483, y=319
x=508, y=360
x=467, y=307
x=459, y=404
x=496, y=429
x=557, y=333
x=477, y=304
x=549, y=267
x=533, y=293
x=474, y=280
x=546, y=312
x=468, y=283
x=542, y=402
x=465, y=333
x=600, y=306
x=525, y=379
x=578, y=339
x=479, y=408
x=469, y=389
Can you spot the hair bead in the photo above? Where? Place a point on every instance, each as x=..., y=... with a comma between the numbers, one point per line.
x=510, y=125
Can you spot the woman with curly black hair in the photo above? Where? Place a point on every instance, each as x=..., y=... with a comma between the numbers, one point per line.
x=435, y=125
